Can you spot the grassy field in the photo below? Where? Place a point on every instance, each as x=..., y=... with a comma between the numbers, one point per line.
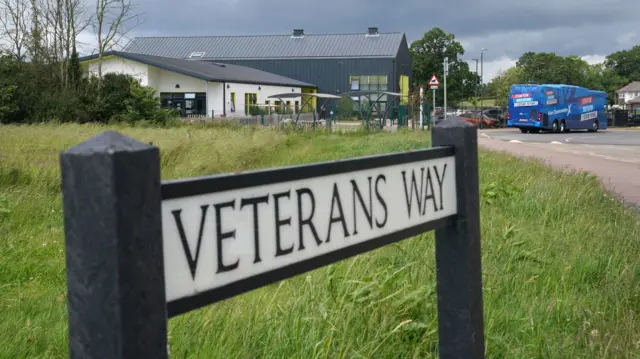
x=561, y=259
x=487, y=102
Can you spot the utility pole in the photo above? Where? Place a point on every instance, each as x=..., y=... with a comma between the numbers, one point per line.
x=476, y=87
x=482, y=85
x=446, y=71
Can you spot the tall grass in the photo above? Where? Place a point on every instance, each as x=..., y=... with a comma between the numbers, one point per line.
x=561, y=259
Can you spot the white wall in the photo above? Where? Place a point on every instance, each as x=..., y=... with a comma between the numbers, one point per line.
x=628, y=96
x=166, y=81
x=262, y=94
x=123, y=66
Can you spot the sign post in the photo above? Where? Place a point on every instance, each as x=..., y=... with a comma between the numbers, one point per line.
x=434, y=83
x=421, y=107
x=140, y=251
x=446, y=72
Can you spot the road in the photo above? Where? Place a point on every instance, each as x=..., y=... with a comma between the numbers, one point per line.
x=612, y=155
x=607, y=137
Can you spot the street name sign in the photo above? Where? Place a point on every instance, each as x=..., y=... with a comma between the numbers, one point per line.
x=229, y=234
x=140, y=250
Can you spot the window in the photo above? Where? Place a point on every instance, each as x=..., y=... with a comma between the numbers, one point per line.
x=185, y=103
x=354, y=81
x=233, y=102
x=297, y=104
x=250, y=100
x=369, y=83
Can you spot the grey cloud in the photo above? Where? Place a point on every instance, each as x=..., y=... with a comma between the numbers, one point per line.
x=506, y=27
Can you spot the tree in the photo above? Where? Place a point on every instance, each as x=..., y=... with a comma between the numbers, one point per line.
x=599, y=77
x=14, y=25
x=547, y=67
x=625, y=63
x=345, y=107
x=64, y=19
x=428, y=56
x=541, y=68
x=501, y=85
x=113, y=20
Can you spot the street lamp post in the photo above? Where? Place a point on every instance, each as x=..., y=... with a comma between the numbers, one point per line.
x=475, y=92
x=482, y=84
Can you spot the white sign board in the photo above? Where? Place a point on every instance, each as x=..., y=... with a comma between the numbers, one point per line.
x=525, y=104
x=589, y=116
x=222, y=230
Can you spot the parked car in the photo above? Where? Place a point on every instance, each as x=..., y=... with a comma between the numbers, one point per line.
x=475, y=118
x=496, y=113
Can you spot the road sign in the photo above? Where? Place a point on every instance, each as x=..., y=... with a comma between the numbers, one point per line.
x=249, y=230
x=175, y=246
x=434, y=81
x=434, y=87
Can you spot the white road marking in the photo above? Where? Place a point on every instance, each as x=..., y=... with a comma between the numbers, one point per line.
x=515, y=141
x=567, y=139
x=556, y=143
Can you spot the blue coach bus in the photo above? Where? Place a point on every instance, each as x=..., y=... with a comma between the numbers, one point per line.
x=556, y=108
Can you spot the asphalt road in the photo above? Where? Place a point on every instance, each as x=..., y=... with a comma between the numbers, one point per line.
x=603, y=137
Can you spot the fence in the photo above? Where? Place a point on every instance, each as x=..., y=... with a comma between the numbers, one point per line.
x=623, y=118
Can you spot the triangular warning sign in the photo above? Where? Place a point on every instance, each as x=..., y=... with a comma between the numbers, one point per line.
x=434, y=81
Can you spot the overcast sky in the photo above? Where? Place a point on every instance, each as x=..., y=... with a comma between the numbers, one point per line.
x=587, y=28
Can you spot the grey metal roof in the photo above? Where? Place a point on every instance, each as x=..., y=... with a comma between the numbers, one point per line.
x=270, y=46
x=209, y=71
x=632, y=87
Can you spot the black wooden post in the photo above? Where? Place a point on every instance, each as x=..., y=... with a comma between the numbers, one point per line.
x=115, y=268
x=458, y=259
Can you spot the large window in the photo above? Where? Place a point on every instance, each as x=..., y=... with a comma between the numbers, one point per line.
x=250, y=100
x=186, y=103
x=370, y=83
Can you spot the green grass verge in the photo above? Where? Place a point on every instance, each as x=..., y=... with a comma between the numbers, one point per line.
x=561, y=259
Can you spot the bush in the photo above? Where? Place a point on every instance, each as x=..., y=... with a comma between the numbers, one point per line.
x=35, y=92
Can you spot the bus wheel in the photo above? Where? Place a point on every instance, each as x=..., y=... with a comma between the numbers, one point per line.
x=563, y=126
x=554, y=127
x=594, y=127
x=524, y=130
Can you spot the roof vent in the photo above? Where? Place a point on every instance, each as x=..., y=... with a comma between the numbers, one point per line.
x=373, y=31
x=196, y=54
x=298, y=33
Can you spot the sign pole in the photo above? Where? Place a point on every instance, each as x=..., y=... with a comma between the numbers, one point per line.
x=434, y=103
x=114, y=250
x=458, y=258
x=421, y=107
x=434, y=83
